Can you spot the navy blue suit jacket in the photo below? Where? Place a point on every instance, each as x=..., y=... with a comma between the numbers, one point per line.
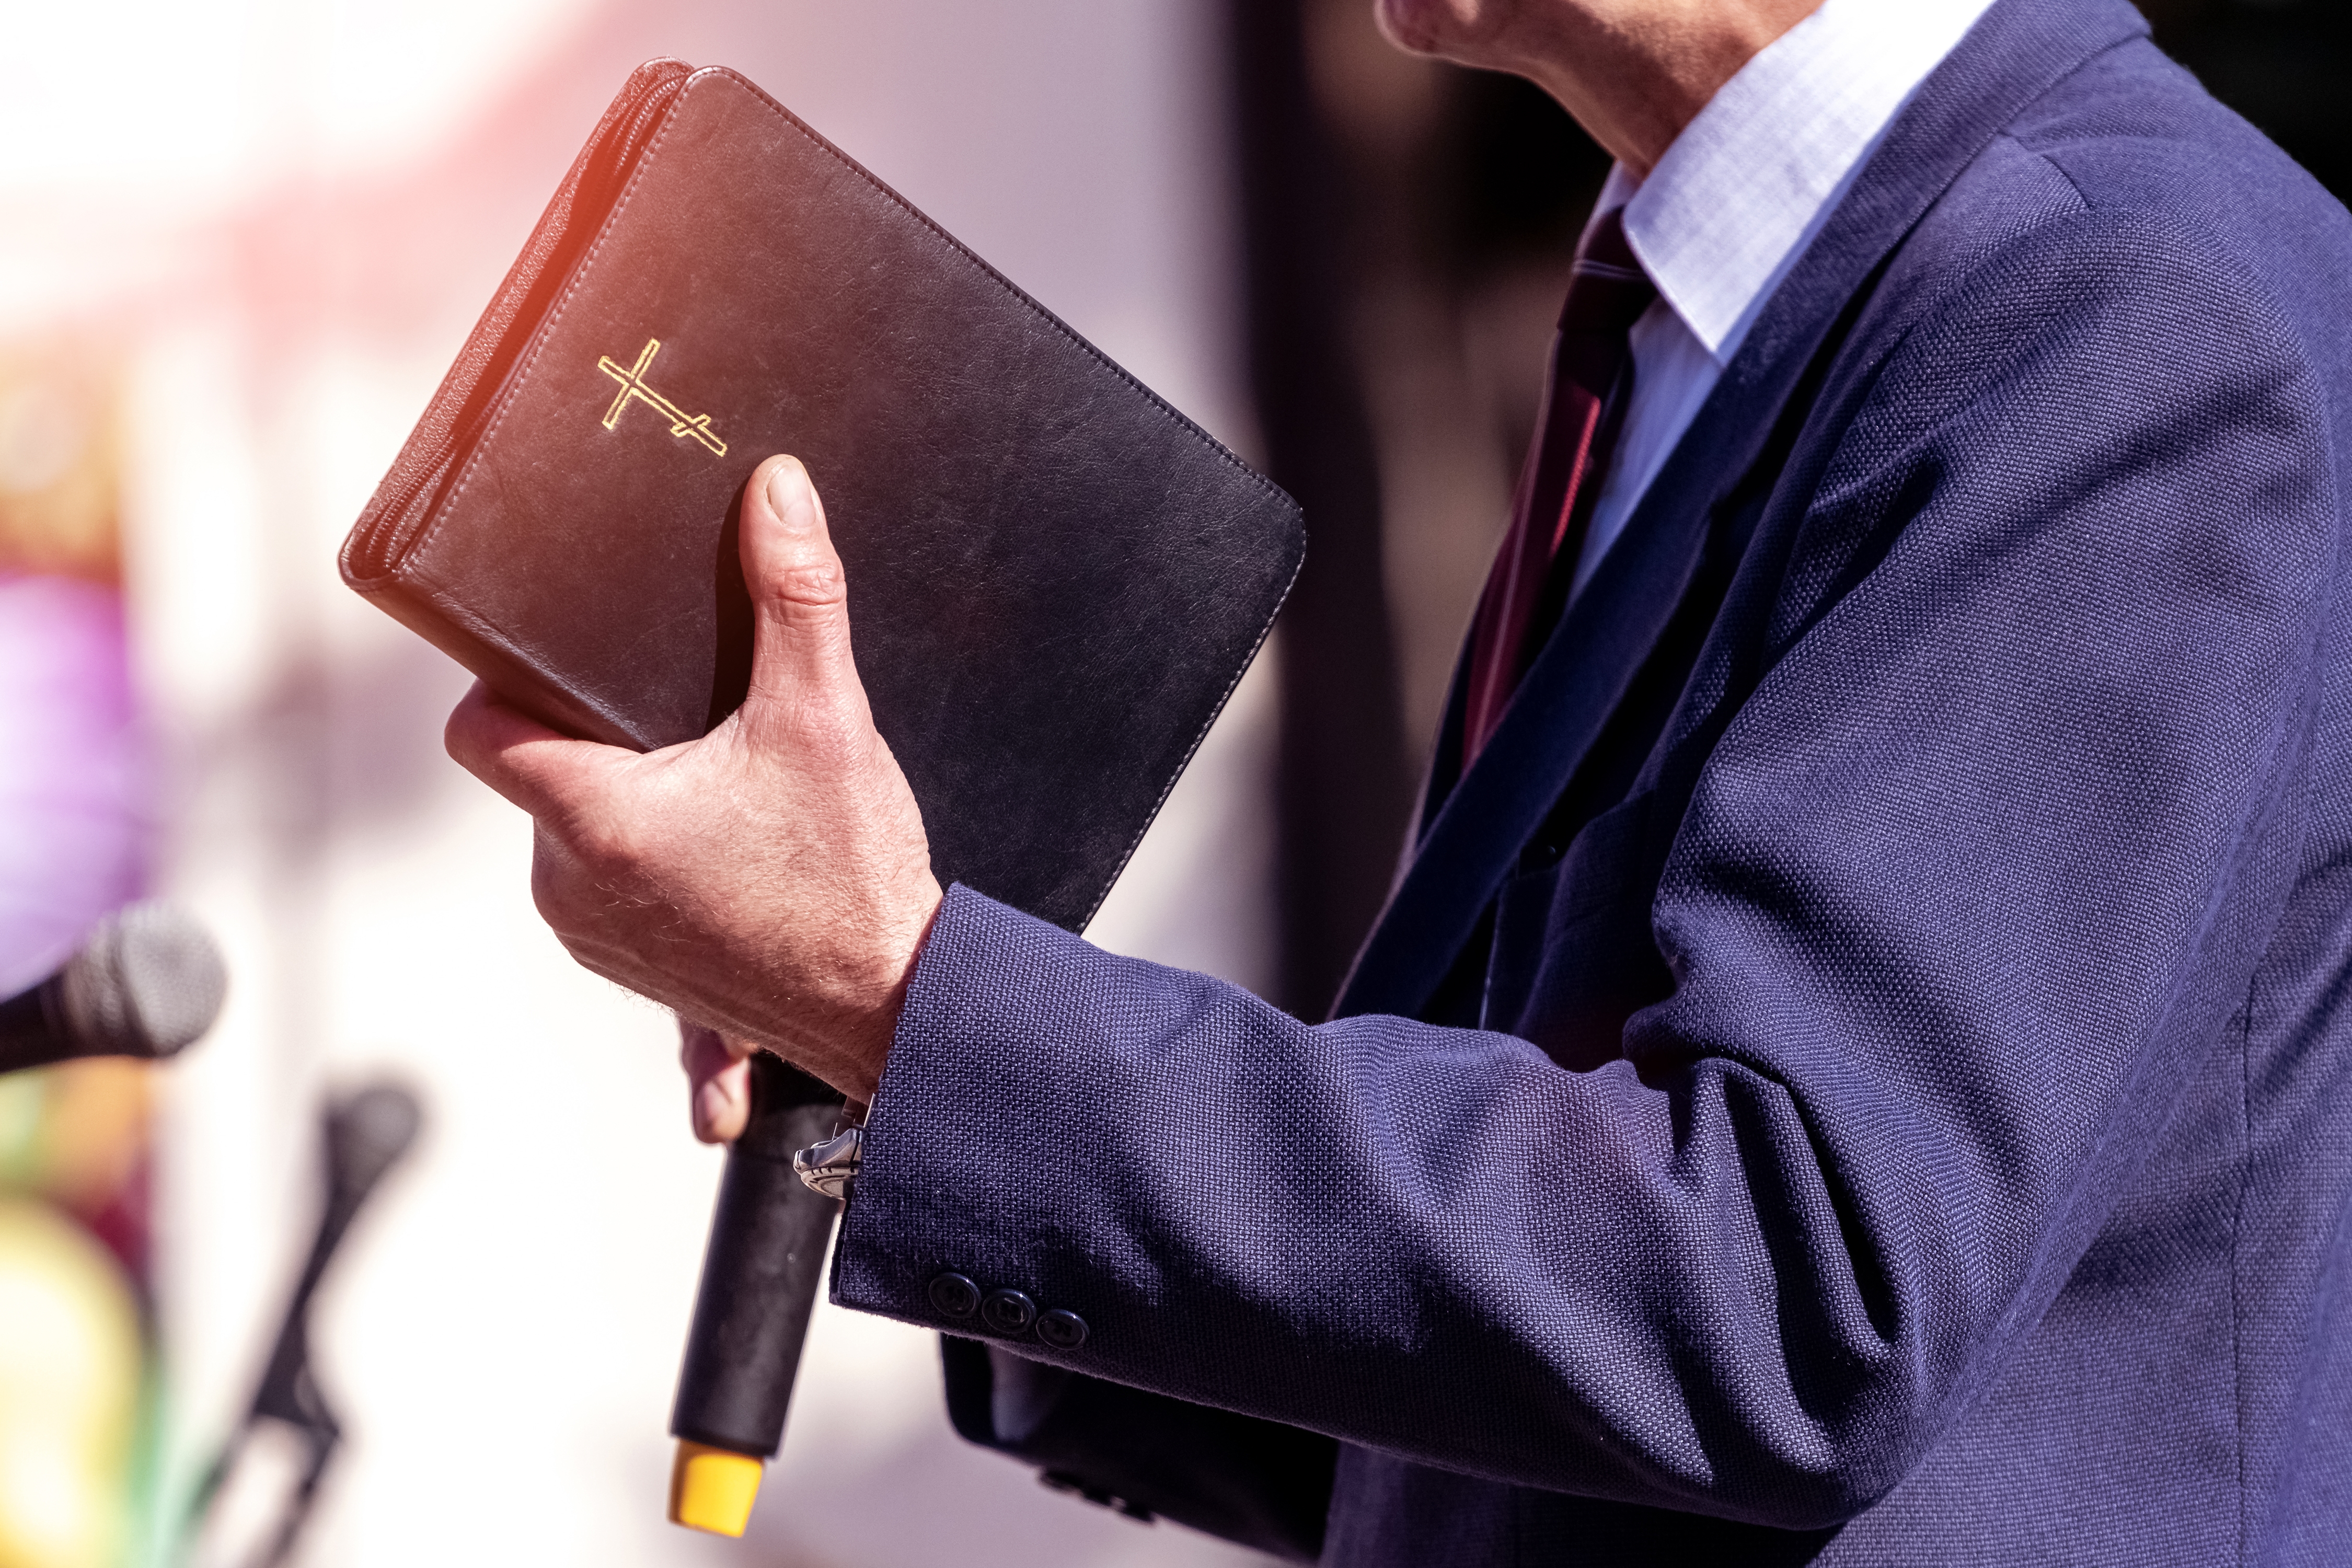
x=1857, y=1072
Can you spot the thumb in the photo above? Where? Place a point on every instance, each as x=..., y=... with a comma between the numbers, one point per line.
x=800, y=597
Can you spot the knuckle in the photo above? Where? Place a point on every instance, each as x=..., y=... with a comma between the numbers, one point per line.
x=817, y=580
x=829, y=730
x=813, y=720
x=560, y=893
x=461, y=738
x=552, y=871
x=607, y=842
x=556, y=907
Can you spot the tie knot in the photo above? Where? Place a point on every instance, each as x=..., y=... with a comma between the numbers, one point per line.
x=1607, y=289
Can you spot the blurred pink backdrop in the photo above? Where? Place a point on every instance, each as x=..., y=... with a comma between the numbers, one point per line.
x=279, y=217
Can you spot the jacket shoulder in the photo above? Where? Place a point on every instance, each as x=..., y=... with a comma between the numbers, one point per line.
x=2148, y=150
x=2127, y=204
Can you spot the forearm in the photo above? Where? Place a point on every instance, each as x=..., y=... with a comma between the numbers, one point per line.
x=1433, y=1241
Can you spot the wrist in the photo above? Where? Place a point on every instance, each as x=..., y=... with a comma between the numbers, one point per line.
x=865, y=1049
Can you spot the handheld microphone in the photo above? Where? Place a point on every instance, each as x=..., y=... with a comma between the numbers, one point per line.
x=761, y=1270
x=147, y=983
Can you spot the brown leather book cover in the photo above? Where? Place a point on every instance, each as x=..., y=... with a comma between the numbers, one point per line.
x=1054, y=578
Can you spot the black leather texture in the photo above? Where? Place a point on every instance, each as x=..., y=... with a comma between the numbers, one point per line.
x=1054, y=578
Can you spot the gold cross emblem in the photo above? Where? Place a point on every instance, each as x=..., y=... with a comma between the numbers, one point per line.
x=633, y=384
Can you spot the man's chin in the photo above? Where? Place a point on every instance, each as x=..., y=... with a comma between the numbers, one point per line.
x=1450, y=28
x=1415, y=25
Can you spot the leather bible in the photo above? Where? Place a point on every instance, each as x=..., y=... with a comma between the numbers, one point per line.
x=1054, y=578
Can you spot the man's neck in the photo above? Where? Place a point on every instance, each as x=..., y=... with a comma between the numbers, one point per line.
x=1632, y=72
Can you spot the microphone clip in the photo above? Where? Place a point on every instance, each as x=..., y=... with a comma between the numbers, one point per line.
x=829, y=1167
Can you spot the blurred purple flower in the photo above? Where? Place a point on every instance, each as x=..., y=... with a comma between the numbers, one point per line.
x=71, y=784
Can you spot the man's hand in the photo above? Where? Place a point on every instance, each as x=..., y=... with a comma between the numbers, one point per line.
x=771, y=881
x=718, y=1081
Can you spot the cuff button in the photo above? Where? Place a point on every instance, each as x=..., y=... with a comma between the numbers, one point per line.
x=954, y=1295
x=1009, y=1312
x=1062, y=1330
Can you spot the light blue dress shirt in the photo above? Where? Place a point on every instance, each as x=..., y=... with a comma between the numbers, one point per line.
x=1737, y=199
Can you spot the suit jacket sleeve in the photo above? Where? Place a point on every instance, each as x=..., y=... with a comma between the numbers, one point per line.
x=1974, y=875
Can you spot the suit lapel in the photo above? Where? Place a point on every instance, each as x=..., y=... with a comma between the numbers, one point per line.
x=1473, y=832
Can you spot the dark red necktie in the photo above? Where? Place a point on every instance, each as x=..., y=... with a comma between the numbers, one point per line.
x=1592, y=375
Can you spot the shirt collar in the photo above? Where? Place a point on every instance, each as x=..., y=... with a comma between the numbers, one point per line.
x=1750, y=182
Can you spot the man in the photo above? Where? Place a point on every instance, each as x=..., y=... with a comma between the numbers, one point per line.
x=1851, y=1071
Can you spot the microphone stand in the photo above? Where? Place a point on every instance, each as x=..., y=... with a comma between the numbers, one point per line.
x=364, y=1137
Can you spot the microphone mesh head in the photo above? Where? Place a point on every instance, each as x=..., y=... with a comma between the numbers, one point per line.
x=148, y=981
x=367, y=1134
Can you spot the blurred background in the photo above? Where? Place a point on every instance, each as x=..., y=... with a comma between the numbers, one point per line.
x=239, y=242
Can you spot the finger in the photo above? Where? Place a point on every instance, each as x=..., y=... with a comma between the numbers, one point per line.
x=722, y=1105
x=703, y=1050
x=531, y=765
x=719, y=1082
x=800, y=597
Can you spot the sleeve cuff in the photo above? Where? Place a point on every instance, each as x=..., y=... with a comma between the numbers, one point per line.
x=950, y=1203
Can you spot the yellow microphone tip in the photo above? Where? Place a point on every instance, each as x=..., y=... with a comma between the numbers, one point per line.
x=712, y=1489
